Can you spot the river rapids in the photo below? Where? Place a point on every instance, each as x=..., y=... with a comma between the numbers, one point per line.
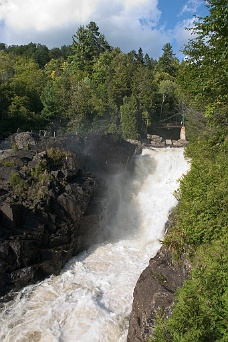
x=90, y=301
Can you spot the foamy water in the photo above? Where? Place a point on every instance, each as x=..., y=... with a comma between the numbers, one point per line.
x=91, y=299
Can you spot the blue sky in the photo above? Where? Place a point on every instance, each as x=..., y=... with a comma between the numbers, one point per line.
x=178, y=10
x=178, y=14
x=127, y=24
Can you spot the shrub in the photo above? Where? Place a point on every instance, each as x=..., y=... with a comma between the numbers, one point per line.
x=200, y=313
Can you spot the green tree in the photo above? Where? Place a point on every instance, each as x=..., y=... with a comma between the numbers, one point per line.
x=66, y=51
x=88, y=43
x=199, y=231
x=149, y=62
x=204, y=74
x=140, y=57
x=80, y=110
x=169, y=103
x=2, y=46
x=21, y=86
x=55, y=53
x=38, y=52
x=100, y=80
x=122, y=69
x=144, y=88
x=130, y=118
x=41, y=55
x=56, y=93
x=167, y=63
x=28, y=80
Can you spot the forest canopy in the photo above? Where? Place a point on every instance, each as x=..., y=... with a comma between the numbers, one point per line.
x=87, y=86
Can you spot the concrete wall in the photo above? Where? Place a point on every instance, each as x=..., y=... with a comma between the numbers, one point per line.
x=183, y=133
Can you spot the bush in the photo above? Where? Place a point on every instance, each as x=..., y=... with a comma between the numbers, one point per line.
x=202, y=214
x=200, y=313
x=56, y=158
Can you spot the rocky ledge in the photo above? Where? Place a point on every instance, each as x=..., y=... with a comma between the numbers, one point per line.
x=54, y=201
x=154, y=292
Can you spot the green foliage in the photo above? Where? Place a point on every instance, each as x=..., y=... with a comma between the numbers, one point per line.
x=37, y=172
x=167, y=63
x=130, y=119
x=76, y=88
x=40, y=176
x=81, y=99
x=199, y=232
x=205, y=73
x=145, y=89
x=7, y=163
x=36, y=183
x=40, y=53
x=21, y=84
x=203, y=77
x=122, y=69
x=88, y=44
x=56, y=98
x=56, y=158
x=200, y=313
x=80, y=110
x=202, y=211
x=18, y=184
x=15, y=178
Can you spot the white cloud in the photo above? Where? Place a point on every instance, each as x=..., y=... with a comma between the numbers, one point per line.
x=125, y=23
x=128, y=24
x=182, y=35
x=42, y=15
x=191, y=6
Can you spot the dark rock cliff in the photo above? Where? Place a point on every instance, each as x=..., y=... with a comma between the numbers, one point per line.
x=154, y=292
x=54, y=202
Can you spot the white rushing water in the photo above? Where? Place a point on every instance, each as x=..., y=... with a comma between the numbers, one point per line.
x=91, y=299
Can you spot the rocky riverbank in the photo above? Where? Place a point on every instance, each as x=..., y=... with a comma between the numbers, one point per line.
x=154, y=293
x=54, y=201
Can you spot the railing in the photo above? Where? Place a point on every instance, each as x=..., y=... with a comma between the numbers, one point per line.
x=171, y=124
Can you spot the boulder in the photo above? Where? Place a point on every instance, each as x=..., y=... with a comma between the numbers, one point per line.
x=154, y=293
x=26, y=139
x=168, y=142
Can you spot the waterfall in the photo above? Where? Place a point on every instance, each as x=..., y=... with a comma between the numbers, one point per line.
x=92, y=297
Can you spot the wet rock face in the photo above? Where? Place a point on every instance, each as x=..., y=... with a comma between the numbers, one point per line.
x=154, y=292
x=102, y=154
x=54, y=198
